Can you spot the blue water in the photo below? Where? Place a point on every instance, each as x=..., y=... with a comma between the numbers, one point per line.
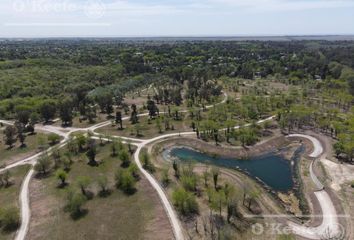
x=273, y=170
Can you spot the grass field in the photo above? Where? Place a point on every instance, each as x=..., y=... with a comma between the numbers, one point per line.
x=117, y=216
x=146, y=130
x=8, y=156
x=9, y=196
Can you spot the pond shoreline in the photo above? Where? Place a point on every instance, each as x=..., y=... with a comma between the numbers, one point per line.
x=274, y=144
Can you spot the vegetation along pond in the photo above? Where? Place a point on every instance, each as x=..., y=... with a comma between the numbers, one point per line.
x=272, y=169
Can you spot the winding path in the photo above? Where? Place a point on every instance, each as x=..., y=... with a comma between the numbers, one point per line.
x=330, y=224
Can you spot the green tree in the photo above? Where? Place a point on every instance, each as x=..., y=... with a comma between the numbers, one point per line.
x=125, y=158
x=103, y=183
x=5, y=178
x=53, y=138
x=75, y=203
x=83, y=182
x=91, y=152
x=21, y=133
x=125, y=181
x=43, y=164
x=147, y=164
x=185, y=202
x=66, y=111
x=48, y=110
x=10, y=218
x=62, y=176
x=10, y=136
x=176, y=168
x=215, y=172
x=81, y=141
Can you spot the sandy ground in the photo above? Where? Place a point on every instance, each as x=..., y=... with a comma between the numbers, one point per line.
x=339, y=173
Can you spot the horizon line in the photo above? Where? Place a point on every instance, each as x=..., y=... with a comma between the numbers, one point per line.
x=185, y=36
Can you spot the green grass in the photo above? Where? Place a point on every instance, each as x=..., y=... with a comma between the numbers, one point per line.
x=146, y=130
x=285, y=237
x=8, y=156
x=117, y=216
x=9, y=196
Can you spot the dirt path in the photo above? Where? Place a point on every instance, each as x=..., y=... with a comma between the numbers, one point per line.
x=330, y=224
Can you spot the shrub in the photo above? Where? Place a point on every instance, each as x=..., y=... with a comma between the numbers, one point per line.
x=53, y=138
x=125, y=181
x=185, y=202
x=147, y=164
x=10, y=219
x=75, y=202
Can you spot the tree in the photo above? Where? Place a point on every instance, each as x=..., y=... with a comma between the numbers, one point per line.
x=215, y=173
x=231, y=209
x=103, y=183
x=119, y=120
x=5, y=178
x=185, y=202
x=48, y=110
x=53, y=138
x=125, y=181
x=75, y=202
x=21, y=133
x=80, y=141
x=158, y=125
x=43, y=164
x=252, y=197
x=147, y=164
x=91, y=152
x=176, y=168
x=189, y=182
x=61, y=175
x=114, y=148
x=34, y=118
x=10, y=136
x=165, y=177
x=23, y=116
x=10, y=218
x=218, y=201
x=83, y=182
x=151, y=107
x=206, y=176
x=338, y=148
x=134, y=115
x=66, y=111
x=124, y=157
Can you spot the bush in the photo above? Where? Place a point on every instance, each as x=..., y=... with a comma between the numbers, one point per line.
x=10, y=219
x=53, y=138
x=124, y=157
x=75, y=202
x=352, y=184
x=189, y=182
x=43, y=164
x=62, y=176
x=125, y=181
x=185, y=202
x=147, y=164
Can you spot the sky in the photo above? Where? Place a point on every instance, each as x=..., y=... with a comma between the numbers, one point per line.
x=138, y=18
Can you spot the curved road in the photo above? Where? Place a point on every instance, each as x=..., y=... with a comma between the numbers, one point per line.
x=330, y=224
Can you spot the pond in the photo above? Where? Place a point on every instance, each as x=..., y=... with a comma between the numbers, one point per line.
x=272, y=169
